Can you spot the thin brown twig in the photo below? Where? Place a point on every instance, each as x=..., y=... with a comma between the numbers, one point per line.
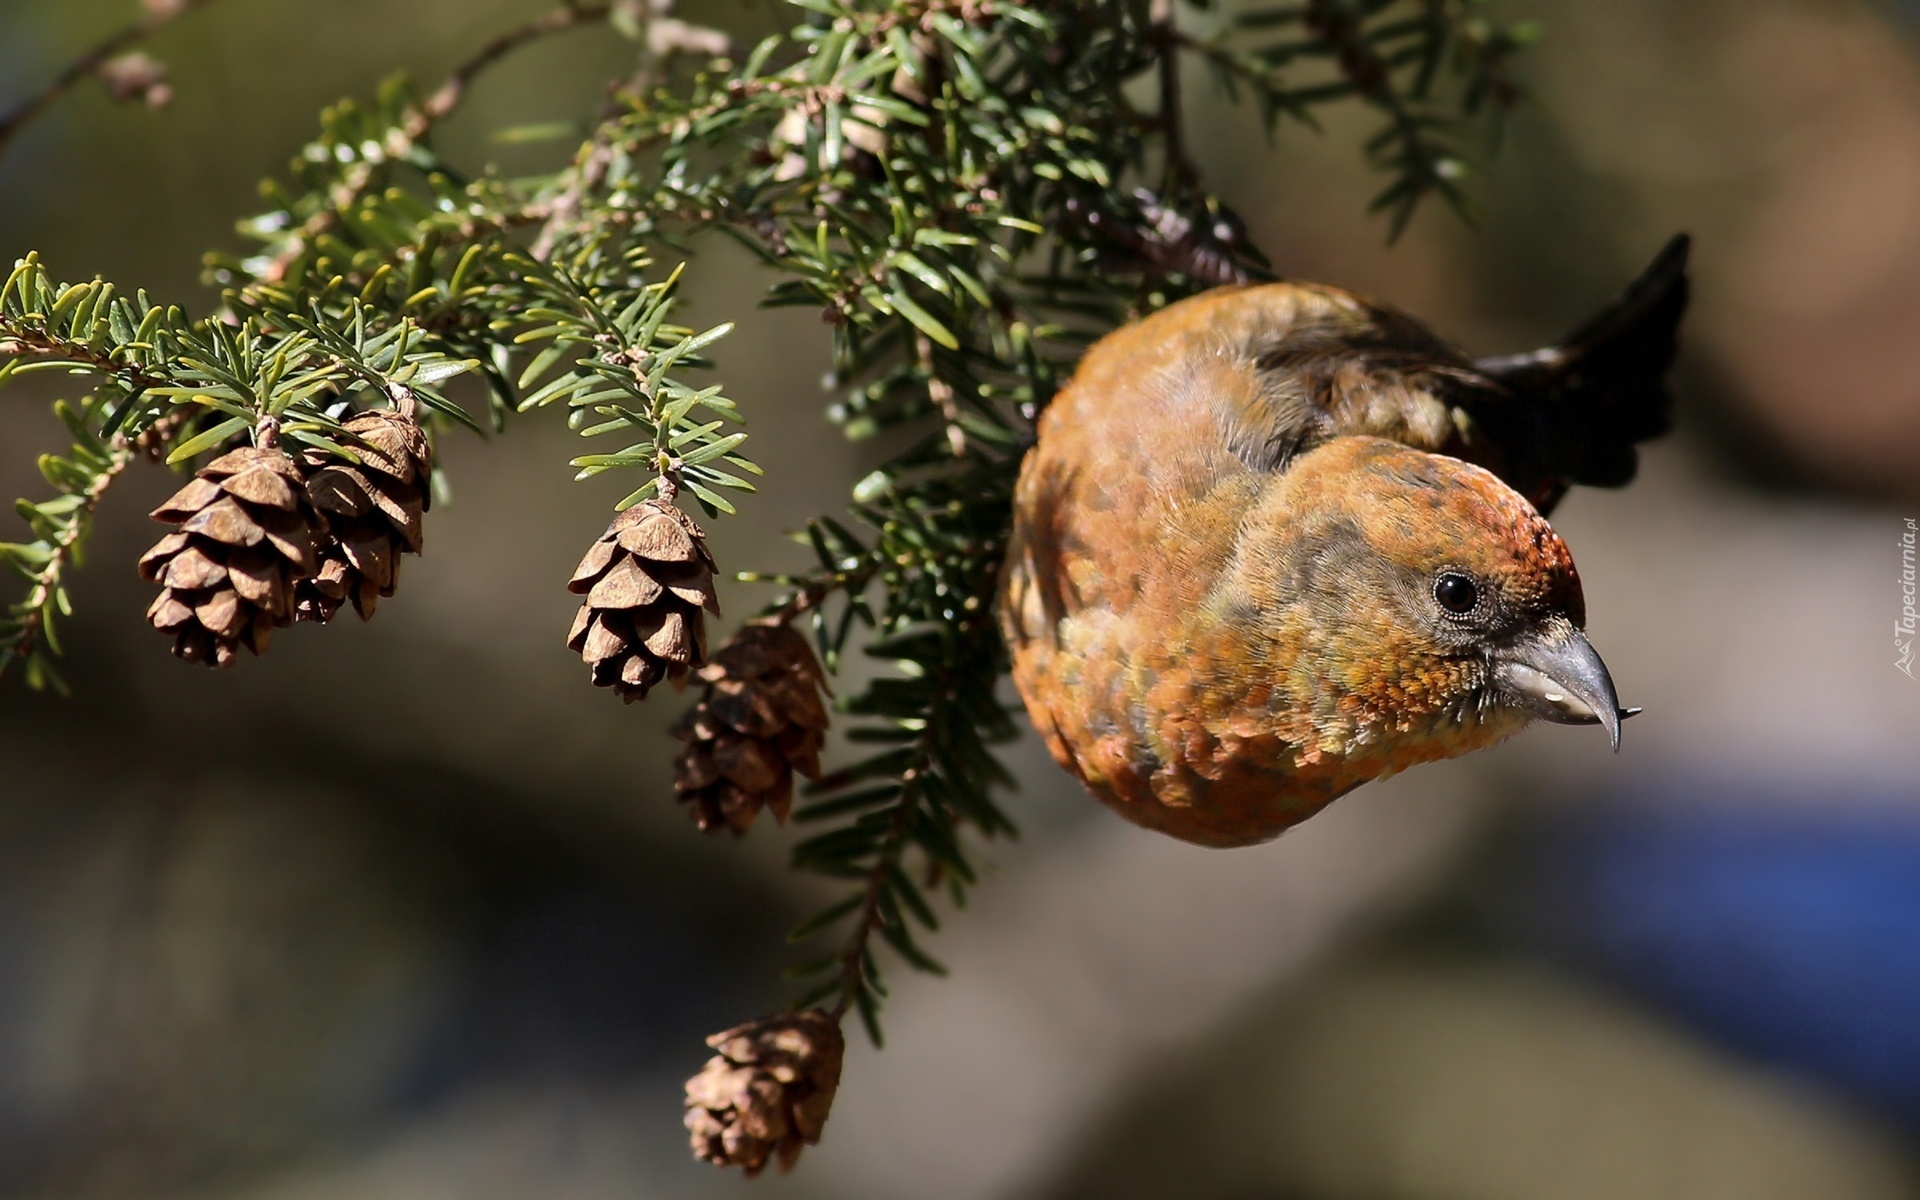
x=436, y=108
x=595, y=158
x=1168, y=40
x=90, y=62
x=853, y=959
x=23, y=341
x=441, y=104
x=666, y=37
x=853, y=980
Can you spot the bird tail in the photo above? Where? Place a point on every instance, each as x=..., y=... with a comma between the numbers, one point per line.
x=1602, y=388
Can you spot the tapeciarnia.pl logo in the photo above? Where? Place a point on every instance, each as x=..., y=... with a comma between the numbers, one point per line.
x=1903, y=628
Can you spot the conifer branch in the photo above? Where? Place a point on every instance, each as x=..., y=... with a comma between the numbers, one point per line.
x=63, y=531
x=419, y=120
x=665, y=38
x=812, y=591
x=856, y=979
x=24, y=342
x=966, y=192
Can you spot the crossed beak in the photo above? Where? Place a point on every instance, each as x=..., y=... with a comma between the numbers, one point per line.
x=1558, y=676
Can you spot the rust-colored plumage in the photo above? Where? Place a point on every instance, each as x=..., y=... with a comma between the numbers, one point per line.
x=1277, y=541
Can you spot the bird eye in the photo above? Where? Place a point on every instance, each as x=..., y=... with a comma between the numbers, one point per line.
x=1456, y=593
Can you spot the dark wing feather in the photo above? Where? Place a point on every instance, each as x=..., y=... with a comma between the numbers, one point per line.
x=1578, y=408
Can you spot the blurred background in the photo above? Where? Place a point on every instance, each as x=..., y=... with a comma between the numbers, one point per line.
x=406, y=909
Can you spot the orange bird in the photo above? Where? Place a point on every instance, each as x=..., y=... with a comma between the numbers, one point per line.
x=1276, y=541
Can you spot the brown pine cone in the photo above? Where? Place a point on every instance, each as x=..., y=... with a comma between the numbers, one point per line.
x=760, y=720
x=373, y=514
x=767, y=1092
x=247, y=532
x=645, y=580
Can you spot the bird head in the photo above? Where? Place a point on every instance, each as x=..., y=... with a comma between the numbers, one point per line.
x=1442, y=612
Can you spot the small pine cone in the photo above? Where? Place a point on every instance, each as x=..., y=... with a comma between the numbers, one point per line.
x=246, y=532
x=767, y=1092
x=373, y=513
x=760, y=720
x=645, y=580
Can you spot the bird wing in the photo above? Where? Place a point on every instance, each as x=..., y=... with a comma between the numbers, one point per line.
x=1573, y=412
x=1270, y=371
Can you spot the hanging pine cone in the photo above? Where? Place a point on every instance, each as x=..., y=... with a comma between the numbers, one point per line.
x=246, y=533
x=373, y=514
x=645, y=580
x=760, y=720
x=767, y=1092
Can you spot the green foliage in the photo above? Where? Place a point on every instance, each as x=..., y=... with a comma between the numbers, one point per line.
x=967, y=191
x=935, y=552
x=59, y=525
x=1430, y=67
